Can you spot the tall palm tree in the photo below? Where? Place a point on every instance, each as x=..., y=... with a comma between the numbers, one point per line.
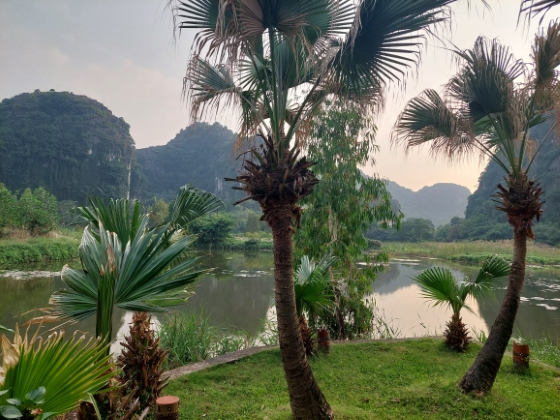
x=313, y=292
x=439, y=285
x=277, y=61
x=489, y=110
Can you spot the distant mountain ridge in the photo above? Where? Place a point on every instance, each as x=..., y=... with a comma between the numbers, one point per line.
x=438, y=203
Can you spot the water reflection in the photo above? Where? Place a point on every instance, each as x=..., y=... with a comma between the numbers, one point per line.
x=399, y=302
x=238, y=292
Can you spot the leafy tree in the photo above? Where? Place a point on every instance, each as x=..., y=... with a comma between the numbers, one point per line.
x=159, y=211
x=38, y=210
x=278, y=61
x=488, y=112
x=343, y=205
x=9, y=214
x=212, y=229
x=65, y=211
x=439, y=285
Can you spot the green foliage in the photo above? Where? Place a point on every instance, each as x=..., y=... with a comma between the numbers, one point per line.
x=38, y=210
x=411, y=230
x=483, y=222
x=133, y=274
x=342, y=207
x=9, y=212
x=159, y=211
x=212, y=229
x=17, y=253
x=54, y=374
x=312, y=286
x=71, y=145
x=192, y=203
x=190, y=338
x=345, y=202
x=66, y=212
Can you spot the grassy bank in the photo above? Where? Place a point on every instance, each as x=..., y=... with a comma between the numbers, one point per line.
x=472, y=252
x=15, y=253
x=242, y=243
x=399, y=380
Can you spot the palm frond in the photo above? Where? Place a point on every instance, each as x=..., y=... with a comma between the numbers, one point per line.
x=439, y=285
x=135, y=276
x=70, y=371
x=428, y=119
x=485, y=81
x=208, y=86
x=384, y=41
x=546, y=59
x=192, y=203
x=312, y=285
x=536, y=7
x=117, y=216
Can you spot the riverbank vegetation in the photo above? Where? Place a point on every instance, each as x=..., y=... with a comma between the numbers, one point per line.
x=413, y=379
x=15, y=253
x=474, y=252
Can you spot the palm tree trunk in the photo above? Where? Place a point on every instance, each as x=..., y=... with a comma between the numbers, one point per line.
x=482, y=374
x=306, y=399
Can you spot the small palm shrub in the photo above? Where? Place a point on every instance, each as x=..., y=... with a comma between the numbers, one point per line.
x=313, y=292
x=439, y=285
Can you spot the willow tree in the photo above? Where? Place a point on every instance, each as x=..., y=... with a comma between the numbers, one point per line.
x=277, y=61
x=489, y=109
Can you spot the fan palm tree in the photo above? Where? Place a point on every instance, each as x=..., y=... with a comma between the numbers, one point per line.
x=313, y=292
x=128, y=264
x=61, y=372
x=277, y=61
x=488, y=110
x=439, y=285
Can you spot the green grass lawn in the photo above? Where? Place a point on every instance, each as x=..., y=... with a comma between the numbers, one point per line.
x=412, y=379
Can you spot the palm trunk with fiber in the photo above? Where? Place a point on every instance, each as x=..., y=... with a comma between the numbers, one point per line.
x=277, y=184
x=482, y=374
x=306, y=399
x=456, y=334
x=521, y=202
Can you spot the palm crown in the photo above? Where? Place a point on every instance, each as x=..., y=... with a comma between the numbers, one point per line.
x=439, y=285
x=284, y=57
x=486, y=108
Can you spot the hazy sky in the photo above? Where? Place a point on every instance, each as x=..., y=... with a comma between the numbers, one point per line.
x=122, y=53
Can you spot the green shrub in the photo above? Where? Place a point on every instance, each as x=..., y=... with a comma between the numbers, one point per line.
x=36, y=250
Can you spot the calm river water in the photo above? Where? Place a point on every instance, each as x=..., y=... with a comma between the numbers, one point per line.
x=238, y=294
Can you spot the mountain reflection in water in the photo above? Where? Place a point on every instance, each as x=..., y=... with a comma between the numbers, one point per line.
x=238, y=294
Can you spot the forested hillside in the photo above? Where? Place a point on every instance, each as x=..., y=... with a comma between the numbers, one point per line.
x=483, y=221
x=438, y=203
x=71, y=145
x=200, y=155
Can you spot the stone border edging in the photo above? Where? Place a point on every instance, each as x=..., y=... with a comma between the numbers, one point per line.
x=215, y=361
